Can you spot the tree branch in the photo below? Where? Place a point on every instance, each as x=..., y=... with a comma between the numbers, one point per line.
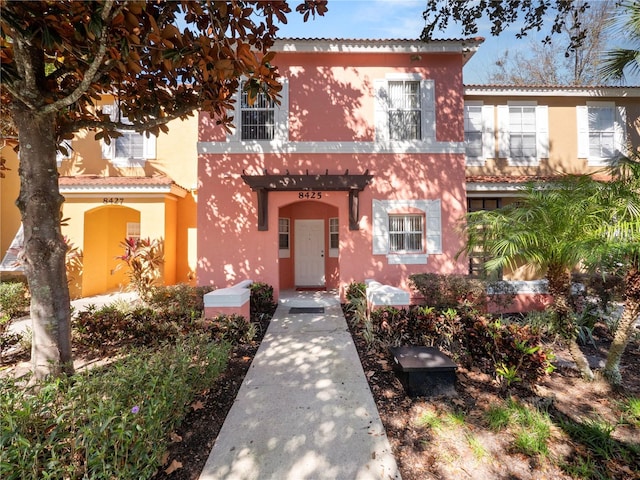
x=90, y=73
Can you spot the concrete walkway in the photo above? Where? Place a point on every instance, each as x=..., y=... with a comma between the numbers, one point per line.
x=304, y=410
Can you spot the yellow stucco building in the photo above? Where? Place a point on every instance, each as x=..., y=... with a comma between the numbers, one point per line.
x=137, y=186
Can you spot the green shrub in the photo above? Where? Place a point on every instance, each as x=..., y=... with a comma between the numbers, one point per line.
x=458, y=291
x=14, y=299
x=356, y=290
x=183, y=301
x=112, y=422
x=234, y=329
x=262, y=303
x=512, y=352
x=111, y=326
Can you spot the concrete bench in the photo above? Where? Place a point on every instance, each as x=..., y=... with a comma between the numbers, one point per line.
x=424, y=371
x=233, y=300
x=379, y=295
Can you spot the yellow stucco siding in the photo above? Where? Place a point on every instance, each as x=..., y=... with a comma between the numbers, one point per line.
x=9, y=191
x=563, y=133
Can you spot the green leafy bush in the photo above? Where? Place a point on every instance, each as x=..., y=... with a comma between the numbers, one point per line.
x=261, y=302
x=183, y=301
x=234, y=329
x=112, y=422
x=14, y=299
x=458, y=291
x=512, y=352
x=111, y=326
x=356, y=290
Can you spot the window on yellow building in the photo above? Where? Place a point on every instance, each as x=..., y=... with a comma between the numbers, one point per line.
x=130, y=148
x=601, y=132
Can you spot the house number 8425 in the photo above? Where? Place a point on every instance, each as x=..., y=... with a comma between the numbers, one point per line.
x=310, y=195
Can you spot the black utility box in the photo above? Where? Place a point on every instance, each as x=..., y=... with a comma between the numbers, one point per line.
x=424, y=371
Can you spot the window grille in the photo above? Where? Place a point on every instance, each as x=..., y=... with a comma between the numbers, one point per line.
x=406, y=233
x=404, y=110
x=258, y=119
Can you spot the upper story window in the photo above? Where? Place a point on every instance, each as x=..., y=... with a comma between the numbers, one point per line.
x=130, y=148
x=257, y=119
x=264, y=119
x=601, y=132
x=524, y=132
x=405, y=108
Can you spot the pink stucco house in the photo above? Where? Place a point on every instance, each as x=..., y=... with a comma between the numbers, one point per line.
x=358, y=174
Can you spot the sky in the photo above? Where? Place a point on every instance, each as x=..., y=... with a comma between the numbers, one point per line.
x=402, y=19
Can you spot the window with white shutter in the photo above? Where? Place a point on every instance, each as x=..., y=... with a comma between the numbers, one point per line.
x=523, y=133
x=601, y=132
x=284, y=237
x=404, y=109
x=261, y=119
x=130, y=148
x=407, y=238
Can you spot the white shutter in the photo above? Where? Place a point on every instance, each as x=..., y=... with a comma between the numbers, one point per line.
x=108, y=151
x=620, y=131
x=380, y=235
x=542, y=131
x=282, y=112
x=149, y=146
x=582, y=123
x=503, y=131
x=488, y=132
x=428, y=107
x=434, y=228
x=381, y=116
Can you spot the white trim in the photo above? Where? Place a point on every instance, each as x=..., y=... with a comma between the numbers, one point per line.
x=332, y=147
x=98, y=191
x=525, y=287
x=522, y=91
x=468, y=46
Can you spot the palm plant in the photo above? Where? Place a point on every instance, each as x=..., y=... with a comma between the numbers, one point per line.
x=616, y=61
x=550, y=229
x=621, y=234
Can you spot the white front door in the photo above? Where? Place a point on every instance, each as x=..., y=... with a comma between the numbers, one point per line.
x=309, y=253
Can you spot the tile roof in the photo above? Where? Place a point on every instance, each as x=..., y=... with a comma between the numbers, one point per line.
x=380, y=40
x=96, y=180
x=514, y=179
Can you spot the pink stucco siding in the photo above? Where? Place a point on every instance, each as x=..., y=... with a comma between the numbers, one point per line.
x=331, y=129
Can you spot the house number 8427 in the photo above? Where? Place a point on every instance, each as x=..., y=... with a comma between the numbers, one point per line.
x=113, y=201
x=310, y=195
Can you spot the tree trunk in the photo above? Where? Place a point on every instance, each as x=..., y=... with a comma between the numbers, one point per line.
x=625, y=326
x=44, y=247
x=560, y=289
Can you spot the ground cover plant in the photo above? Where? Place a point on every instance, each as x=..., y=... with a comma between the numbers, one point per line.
x=156, y=366
x=513, y=417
